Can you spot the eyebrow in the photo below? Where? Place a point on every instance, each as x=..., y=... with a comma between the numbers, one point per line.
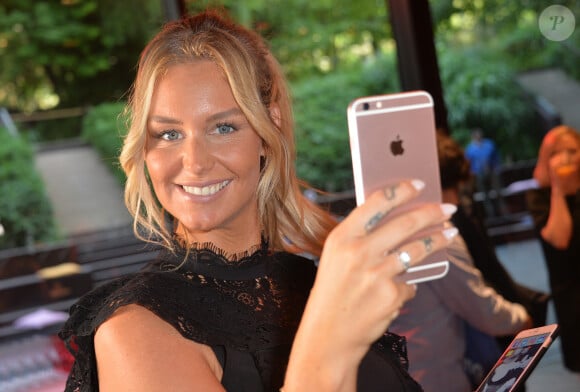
x=225, y=114
x=212, y=118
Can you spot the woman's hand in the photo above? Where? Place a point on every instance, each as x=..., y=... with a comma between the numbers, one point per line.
x=563, y=173
x=356, y=296
x=542, y=168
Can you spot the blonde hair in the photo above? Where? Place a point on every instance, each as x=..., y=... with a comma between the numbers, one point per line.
x=562, y=130
x=288, y=219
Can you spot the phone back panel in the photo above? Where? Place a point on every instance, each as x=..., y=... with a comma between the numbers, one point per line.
x=392, y=137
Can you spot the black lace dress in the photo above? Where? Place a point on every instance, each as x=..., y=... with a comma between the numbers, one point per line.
x=247, y=310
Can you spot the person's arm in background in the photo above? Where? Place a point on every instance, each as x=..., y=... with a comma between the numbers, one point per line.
x=465, y=292
x=483, y=254
x=558, y=229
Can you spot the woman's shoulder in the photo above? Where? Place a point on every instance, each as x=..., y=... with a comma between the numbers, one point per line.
x=131, y=318
x=97, y=305
x=136, y=332
x=133, y=328
x=127, y=329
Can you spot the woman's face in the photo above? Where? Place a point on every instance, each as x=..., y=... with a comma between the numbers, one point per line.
x=203, y=156
x=566, y=150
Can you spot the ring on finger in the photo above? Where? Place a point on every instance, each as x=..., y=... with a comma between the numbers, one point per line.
x=405, y=259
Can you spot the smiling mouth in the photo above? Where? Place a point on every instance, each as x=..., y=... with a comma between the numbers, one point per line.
x=206, y=190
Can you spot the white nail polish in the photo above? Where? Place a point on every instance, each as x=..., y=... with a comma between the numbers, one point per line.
x=418, y=184
x=448, y=209
x=450, y=232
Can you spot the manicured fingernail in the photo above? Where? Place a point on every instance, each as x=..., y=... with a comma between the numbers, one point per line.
x=448, y=209
x=450, y=232
x=418, y=184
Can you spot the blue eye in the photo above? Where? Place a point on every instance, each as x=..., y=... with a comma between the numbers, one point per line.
x=224, y=129
x=170, y=135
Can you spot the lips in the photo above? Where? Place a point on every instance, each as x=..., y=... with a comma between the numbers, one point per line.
x=206, y=190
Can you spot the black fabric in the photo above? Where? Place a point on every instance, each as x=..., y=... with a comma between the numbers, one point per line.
x=240, y=372
x=563, y=271
x=247, y=308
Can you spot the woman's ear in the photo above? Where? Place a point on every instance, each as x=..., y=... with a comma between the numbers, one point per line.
x=275, y=115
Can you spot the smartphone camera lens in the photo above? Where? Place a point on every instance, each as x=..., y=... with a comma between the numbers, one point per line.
x=366, y=106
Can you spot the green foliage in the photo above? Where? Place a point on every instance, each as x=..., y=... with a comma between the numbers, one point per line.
x=312, y=37
x=102, y=127
x=509, y=30
x=540, y=52
x=70, y=52
x=25, y=211
x=321, y=127
x=482, y=93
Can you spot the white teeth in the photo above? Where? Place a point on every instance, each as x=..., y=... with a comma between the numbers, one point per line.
x=206, y=190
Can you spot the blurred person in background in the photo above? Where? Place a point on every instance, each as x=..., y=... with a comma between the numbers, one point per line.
x=555, y=208
x=435, y=321
x=484, y=159
x=455, y=176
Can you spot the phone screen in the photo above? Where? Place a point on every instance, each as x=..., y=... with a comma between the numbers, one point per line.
x=513, y=362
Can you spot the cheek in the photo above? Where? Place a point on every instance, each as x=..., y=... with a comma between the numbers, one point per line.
x=158, y=165
x=245, y=165
x=244, y=156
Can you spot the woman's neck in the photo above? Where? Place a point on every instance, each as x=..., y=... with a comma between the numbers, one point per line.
x=229, y=242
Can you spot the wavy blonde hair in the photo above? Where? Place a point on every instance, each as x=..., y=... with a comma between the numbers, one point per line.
x=289, y=220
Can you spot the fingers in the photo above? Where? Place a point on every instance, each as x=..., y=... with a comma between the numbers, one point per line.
x=374, y=229
x=404, y=227
x=380, y=204
x=413, y=252
x=399, y=261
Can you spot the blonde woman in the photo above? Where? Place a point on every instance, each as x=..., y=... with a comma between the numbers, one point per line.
x=555, y=207
x=230, y=304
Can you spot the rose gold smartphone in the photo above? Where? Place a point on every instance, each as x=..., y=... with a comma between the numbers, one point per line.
x=392, y=138
x=519, y=360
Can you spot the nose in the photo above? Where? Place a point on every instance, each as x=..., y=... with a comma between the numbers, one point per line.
x=565, y=157
x=196, y=154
